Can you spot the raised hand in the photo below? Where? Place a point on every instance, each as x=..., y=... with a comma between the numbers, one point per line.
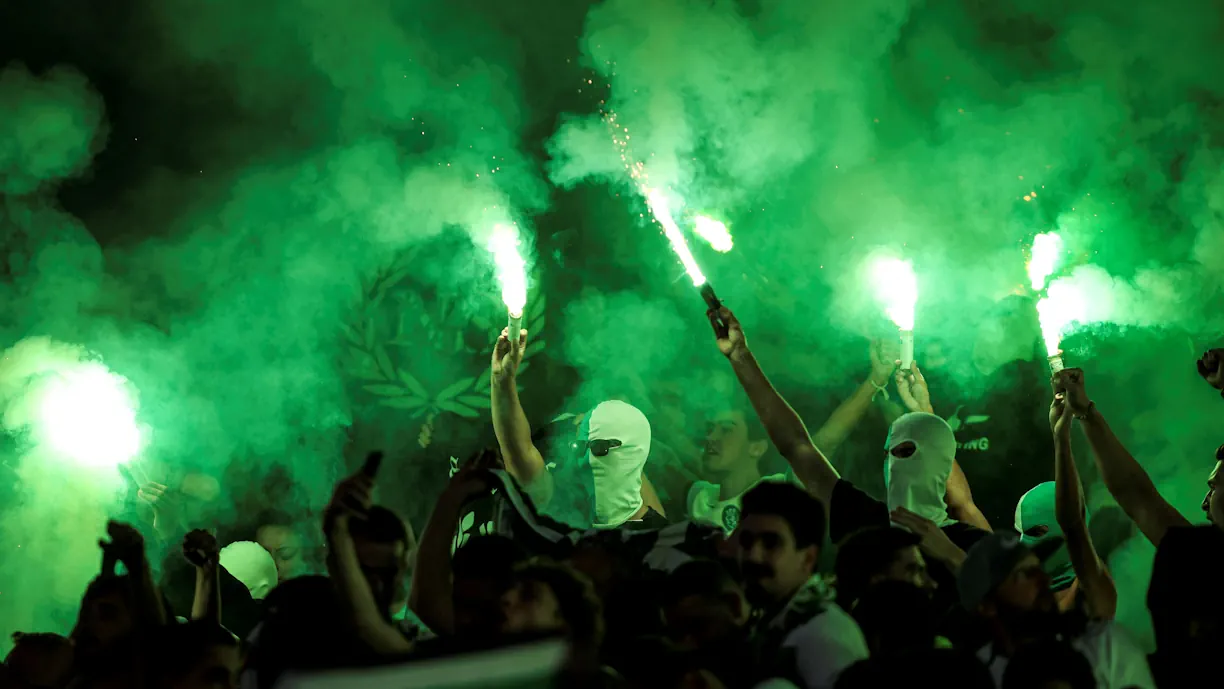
x=1070, y=382
x=912, y=387
x=351, y=498
x=935, y=542
x=1060, y=413
x=884, y=355
x=507, y=355
x=126, y=545
x=200, y=548
x=728, y=333
x=473, y=477
x=1211, y=368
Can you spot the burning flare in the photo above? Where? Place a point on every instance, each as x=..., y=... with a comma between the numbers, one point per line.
x=1044, y=259
x=714, y=232
x=659, y=208
x=1062, y=306
x=897, y=288
x=511, y=268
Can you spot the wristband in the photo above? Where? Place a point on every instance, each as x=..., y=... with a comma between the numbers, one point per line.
x=878, y=389
x=1087, y=412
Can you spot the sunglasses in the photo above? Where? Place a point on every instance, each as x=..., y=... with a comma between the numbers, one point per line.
x=598, y=447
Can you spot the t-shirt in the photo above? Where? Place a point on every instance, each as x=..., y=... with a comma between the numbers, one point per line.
x=704, y=505
x=1003, y=440
x=1116, y=659
x=850, y=509
x=818, y=639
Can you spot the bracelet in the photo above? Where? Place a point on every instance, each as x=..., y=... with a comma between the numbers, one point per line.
x=878, y=389
x=1087, y=412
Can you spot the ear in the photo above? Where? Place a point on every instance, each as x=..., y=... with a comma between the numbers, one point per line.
x=811, y=555
x=757, y=448
x=739, y=608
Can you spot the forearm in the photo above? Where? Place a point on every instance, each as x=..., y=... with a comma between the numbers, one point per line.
x=358, y=599
x=206, y=605
x=785, y=428
x=430, y=596
x=1070, y=512
x=513, y=431
x=150, y=610
x=1128, y=482
x=843, y=419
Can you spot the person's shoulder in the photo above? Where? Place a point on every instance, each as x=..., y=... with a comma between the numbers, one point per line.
x=702, y=494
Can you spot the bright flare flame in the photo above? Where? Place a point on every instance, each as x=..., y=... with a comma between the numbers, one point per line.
x=1044, y=260
x=87, y=415
x=657, y=202
x=714, y=232
x=897, y=288
x=1062, y=306
x=511, y=268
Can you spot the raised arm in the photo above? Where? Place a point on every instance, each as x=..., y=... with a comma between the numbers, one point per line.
x=915, y=394
x=847, y=415
x=522, y=459
x=352, y=497
x=1094, y=580
x=126, y=545
x=785, y=428
x=201, y=550
x=430, y=596
x=1126, y=480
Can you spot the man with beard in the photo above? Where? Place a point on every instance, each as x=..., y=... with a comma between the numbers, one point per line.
x=778, y=544
x=1002, y=582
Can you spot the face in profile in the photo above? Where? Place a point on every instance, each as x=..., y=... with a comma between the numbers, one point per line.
x=908, y=566
x=772, y=565
x=1027, y=588
x=285, y=546
x=1213, y=502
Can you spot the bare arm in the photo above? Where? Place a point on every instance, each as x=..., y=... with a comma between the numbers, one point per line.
x=1123, y=476
x=430, y=595
x=128, y=547
x=914, y=392
x=201, y=550
x=1094, y=580
x=785, y=428
x=344, y=568
x=522, y=459
x=847, y=415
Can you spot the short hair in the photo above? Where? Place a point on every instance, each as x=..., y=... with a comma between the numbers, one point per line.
x=1045, y=661
x=705, y=578
x=380, y=525
x=802, y=511
x=864, y=554
x=490, y=556
x=579, y=606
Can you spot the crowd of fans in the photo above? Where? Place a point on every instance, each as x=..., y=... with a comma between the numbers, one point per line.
x=789, y=579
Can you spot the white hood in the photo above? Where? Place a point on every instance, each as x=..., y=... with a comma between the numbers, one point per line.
x=249, y=563
x=919, y=482
x=618, y=475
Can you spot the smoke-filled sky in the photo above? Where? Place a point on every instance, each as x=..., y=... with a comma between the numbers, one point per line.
x=206, y=195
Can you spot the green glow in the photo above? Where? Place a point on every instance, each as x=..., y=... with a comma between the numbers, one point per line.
x=1044, y=259
x=1063, y=305
x=511, y=268
x=897, y=288
x=86, y=415
x=660, y=209
x=714, y=232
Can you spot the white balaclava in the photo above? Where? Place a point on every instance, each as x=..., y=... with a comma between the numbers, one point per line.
x=618, y=475
x=919, y=482
x=249, y=563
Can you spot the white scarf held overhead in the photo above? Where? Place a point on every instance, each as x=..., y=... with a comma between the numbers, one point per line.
x=618, y=475
x=918, y=482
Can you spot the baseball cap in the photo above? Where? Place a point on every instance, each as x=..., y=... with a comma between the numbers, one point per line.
x=991, y=560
